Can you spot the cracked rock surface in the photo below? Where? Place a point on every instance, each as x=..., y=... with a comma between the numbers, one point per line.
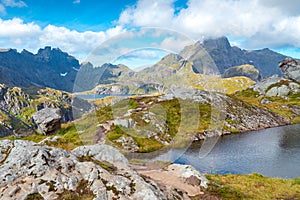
x=27, y=168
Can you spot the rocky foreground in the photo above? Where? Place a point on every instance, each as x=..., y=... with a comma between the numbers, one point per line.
x=30, y=170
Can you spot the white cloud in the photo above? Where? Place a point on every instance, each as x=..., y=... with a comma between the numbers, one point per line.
x=261, y=22
x=175, y=44
x=76, y=1
x=16, y=28
x=148, y=13
x=15, y=33
x=13, y=3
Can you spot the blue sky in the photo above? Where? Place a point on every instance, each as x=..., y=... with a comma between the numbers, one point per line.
x=79, y=26
x=95, y=15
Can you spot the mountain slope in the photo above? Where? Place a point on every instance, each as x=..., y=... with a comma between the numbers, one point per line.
x=225, y=56
x=88, y=76
x=49, y=67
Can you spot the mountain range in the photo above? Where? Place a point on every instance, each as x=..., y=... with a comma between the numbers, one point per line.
x=48, y=68
x=51, y=67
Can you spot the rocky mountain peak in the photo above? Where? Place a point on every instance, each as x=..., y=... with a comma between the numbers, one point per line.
x=55, y=55
x=26, y=53
x=87, y=64
x=219, y=53
x=9, y=52
x=221, y=42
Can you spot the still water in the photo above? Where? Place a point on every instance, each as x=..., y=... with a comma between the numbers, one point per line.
x=273, y=152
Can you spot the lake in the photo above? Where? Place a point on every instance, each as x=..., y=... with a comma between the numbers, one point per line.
x=273, y=152
x=100, y=96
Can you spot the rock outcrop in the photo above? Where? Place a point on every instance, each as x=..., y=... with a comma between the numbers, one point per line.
x=98, y=172
x=13, y=100
x=276, y=86
x=242, y=117
x=17, y=106
x=238, y=115
x=48, y=120
x=290, y=69
x=244, y=70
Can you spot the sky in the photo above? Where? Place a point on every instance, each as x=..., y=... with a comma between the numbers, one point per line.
x=80, y=26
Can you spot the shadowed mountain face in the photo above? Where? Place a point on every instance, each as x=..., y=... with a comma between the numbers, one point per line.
x=89, y=76
x=226, y=56
x=49, y=67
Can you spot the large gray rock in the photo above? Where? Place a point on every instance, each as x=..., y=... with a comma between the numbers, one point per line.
x=127, y=123
x=262, y=86
x=28, y=168
x=281, y=91
x=273, y=92
x=295, y=87
x=48, y=120
x=277, y=86
x=290, y=69
x=102, y=152
x=244, y=70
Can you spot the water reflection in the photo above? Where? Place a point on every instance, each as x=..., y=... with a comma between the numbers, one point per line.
x=272, y=152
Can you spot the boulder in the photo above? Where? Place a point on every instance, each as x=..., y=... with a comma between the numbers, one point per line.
x=295, y=87
x=273, y=92
x=262, y=86
x=244, y=70
x=48, y=120
x=290, y=69
x=283, y=91
x=127, y=123
x=27, y=168
x=102, y=152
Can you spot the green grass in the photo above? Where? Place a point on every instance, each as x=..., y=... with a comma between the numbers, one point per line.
x=173, y=112
x=26, y=114
x=181, y=117
x=104, y=164
x=35, y=196
x=148, y=145
x=254, y=186
x=145, y=144
x=115, y=133
x=69, y=137
x=277, y=105
x=82, y=192
x=104, y=114
x=121, y=107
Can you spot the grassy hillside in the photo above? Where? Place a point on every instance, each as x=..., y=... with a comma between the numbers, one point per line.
x=253, y=186
x=285, y=106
